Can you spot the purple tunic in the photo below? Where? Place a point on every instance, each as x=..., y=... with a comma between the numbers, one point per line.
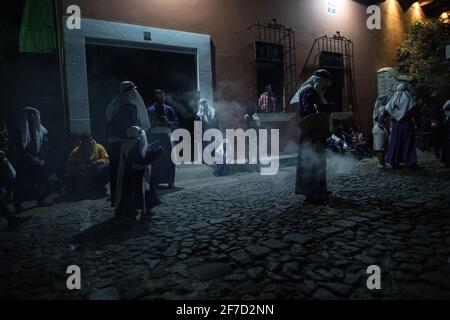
x=402, y=143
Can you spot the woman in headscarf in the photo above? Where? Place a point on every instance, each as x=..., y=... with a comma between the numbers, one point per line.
x=32, y=145
x=311, y=169
x=127, y=109
x=206, y=114
x=135, y=194
x=402, y=143
x=379, y=131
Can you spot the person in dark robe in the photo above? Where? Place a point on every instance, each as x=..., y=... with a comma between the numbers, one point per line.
x=32, y=146
x=438, y=130
x=88, y=169
x=446, y=140
x=163, y=121
x=7, y=177
x=253, y=122
x=136, y=194
x=127, y=109
x=402, y=143
x=311, y=169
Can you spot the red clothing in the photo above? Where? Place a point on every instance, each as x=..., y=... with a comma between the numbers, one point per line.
x=267, y=102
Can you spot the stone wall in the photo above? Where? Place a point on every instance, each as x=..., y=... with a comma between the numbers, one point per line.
x=388, y=80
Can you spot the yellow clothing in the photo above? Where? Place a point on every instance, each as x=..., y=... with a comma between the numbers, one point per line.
x=78, y=158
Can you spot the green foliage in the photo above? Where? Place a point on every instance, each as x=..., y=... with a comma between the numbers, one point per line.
x=422, y=56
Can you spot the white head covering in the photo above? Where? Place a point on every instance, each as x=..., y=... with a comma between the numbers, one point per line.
x=204, y=114
x=128, y=94
x=34, y=131
x=378, y=108
x=135, y=135
x=316, y=81
x=401, y=102
x=447, y=109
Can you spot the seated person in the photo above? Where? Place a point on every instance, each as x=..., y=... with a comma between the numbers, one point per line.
x=7, y=175
x=337, y=142
x=88, y=167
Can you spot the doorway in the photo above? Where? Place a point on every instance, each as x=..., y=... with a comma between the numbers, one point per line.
x=109, y=65
x=334, y=63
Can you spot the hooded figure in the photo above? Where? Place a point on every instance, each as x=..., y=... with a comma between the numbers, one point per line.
x=207, y=116
x=401, y=103
x=311, y=169
x=31, y=144
x=127, y=109
x=32, y=132
x=320, y=81
x=135, y=194
x=402, y=143
x=205, y=113
x=379, y=131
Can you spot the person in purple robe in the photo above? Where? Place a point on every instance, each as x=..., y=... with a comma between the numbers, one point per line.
x=446, y=142
x=402, y=143
x=311, y=168
x=127, y=109
x=163, y=120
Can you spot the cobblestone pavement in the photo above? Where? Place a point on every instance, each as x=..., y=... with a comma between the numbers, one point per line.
x=245, y=237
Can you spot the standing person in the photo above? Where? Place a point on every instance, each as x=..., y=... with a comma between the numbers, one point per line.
x=253, y=122
x=88, y=167
x=127, y=109
x=32, y=147
x=446, y=142
x=267, y=101
x=7, y=175
x=379, y=131
x=163, y=121
x=7, y=155
x=135, y=194
x=438, y=130
x=402, y=144
x=206, y=114
x=311, y=169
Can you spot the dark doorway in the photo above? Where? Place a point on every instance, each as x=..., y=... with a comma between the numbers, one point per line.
x=334, y=64
x=107, y=66
x=270, y=69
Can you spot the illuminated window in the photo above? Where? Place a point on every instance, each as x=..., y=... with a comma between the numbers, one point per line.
x=332, y=8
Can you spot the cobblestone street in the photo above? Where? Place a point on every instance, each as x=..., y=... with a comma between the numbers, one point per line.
x=245, y=237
